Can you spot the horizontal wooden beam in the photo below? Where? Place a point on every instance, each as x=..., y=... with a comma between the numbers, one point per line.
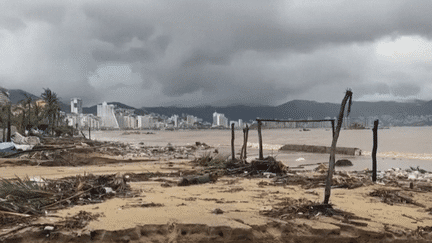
x=276, y=120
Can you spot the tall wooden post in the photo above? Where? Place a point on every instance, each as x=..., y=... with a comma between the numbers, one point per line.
x=261, y=157
x=243, y=146
x=374, y=150
x=333, y=128
x=4, y=123
x=8, y=139
x=348, y=95
x=232, y=143
x=245, y=143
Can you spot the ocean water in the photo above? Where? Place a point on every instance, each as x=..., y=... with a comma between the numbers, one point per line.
x=398, y=147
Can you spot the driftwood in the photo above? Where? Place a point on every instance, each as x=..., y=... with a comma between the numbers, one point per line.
x=193, y=180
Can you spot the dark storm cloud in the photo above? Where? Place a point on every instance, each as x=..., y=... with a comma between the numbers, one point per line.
x=222, y=52
x=116, y=25
x=132, y=55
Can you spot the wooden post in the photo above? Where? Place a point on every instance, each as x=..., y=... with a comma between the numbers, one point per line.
x=374, y=150
x=89, y=133
x=8, y=138
x=261, y=157
x=348, y=95
x=232, y=143
x=333, y=128
x=243, y=155
x=243, y=146
x=245, y=143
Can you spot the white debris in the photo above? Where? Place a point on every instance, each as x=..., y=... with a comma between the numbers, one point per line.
x=109, y=190
x=49, y=228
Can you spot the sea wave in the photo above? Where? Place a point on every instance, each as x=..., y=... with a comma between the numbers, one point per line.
x=265, y=146
x=393, y=154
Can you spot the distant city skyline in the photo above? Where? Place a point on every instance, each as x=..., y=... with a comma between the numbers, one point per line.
x=202, y=52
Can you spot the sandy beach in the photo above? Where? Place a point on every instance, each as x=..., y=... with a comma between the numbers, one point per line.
x=234, y=208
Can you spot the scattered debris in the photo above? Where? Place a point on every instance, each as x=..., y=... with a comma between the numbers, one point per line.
x=131, y=133
x=24, y=196
x=80, y=220
x=257, y=167
x=322, y=168
x=7, y=147
x=392, y=197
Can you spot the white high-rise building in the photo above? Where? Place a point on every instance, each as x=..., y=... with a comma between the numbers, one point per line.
x=107, y=115
x=220, y=120
x=76, y=105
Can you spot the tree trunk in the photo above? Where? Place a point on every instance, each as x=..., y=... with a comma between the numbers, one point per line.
x=348, y=95
x=232, y=143
x=374, y=150
x=8, y=139
x=261, y=156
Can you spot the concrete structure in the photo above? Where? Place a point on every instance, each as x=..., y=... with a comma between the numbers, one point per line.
x=320, y=149
x=76, y=105
x=107, y=115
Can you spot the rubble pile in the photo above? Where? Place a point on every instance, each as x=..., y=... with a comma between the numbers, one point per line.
x=81, y=151
x=269, y=166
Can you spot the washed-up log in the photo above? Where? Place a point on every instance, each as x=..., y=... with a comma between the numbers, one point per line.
x=193, y=180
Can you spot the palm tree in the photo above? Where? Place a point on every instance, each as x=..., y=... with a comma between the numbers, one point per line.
x=28, y=100
x=6, y=106
x=52, y=107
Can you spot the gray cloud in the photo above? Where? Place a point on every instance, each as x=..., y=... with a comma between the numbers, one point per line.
x=212, y=52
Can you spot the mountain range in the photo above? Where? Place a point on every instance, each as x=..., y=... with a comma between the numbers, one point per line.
x=295, y=109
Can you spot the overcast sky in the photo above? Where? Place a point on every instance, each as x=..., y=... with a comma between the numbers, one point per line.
x=160, y=53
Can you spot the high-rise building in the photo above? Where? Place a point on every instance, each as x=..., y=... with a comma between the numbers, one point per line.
x=107, y=114
x=220, y=120
x=76, y=105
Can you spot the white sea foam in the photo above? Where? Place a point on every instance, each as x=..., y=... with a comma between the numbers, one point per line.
x=393, y=154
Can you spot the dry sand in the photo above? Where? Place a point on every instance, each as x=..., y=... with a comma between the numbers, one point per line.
x=189, y=214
